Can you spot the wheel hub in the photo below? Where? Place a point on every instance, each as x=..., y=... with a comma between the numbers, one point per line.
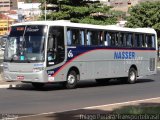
x=71, y=79
x=132, y=76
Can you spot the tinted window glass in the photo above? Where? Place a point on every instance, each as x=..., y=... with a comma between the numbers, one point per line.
x=129, y=40
x=107, y=39
x=74, y=36
x=55, y=50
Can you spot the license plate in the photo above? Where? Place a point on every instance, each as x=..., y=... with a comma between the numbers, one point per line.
x=20, y=77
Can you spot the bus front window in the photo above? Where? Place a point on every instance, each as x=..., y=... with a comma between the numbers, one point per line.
x=25, y=44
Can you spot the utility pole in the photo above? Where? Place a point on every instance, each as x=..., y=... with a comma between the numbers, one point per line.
x=59, y=4
x=45, y=10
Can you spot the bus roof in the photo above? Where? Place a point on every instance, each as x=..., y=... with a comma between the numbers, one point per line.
x=81, y=25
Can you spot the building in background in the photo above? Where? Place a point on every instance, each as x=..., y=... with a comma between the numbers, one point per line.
x=7, y=10
x=5, y=26
x=7, y=5
x=123, y=5
x=12, y=11
x=28, y=11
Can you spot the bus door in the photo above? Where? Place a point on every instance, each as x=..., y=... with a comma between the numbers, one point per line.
x=55, y=47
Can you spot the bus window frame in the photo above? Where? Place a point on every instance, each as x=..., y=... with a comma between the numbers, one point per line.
x=151, y=35
x=57, y=49
x=133, y=43
x=79, y=42
x=145, y=44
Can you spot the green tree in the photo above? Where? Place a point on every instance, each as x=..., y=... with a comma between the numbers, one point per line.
x=146, y=14
x=81, y=11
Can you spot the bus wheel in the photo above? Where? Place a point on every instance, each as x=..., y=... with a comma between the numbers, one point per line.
x=132, y=76
x=38, y=85
x=71, y=80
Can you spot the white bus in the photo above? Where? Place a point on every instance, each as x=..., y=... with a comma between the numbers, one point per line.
x=41, y=52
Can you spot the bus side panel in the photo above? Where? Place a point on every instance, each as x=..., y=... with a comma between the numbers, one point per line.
x=102, y=63
x=146, y=63
x=99, y=63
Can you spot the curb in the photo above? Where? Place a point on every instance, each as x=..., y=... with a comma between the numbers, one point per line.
x=5, y=86
x=10, y=85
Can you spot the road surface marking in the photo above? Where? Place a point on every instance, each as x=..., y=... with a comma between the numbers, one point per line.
x=107, y=105
x=122, y=103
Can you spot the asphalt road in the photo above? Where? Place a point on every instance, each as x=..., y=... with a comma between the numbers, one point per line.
x=53, y=98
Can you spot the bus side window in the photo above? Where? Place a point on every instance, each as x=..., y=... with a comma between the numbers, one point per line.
x=75, y=37
x=147, y=37
x=82, y=37
x=107, y=41
x=150, y=39
x=137, y=43
x=145, y=40
x=141, y=40
x=117, y=39
x=94, y=38
x=89, y=38
x=69, y=34
x=113, y=39
x=153, y=41
x=101, y=38
x=124, y=40
x=120, y=39
x=129, y=40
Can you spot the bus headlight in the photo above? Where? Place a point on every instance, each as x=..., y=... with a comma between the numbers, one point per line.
x=38, y=69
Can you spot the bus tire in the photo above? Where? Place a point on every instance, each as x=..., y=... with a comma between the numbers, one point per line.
x=38, y=85
x=71, y=80
x=132, y=76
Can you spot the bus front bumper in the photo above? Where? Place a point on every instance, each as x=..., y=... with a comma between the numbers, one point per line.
x=41, y=76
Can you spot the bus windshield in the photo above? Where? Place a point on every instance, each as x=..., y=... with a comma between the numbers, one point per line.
x=26, y=44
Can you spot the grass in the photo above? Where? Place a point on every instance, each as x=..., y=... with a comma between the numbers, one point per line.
x=138, y=110
x=135, y=113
